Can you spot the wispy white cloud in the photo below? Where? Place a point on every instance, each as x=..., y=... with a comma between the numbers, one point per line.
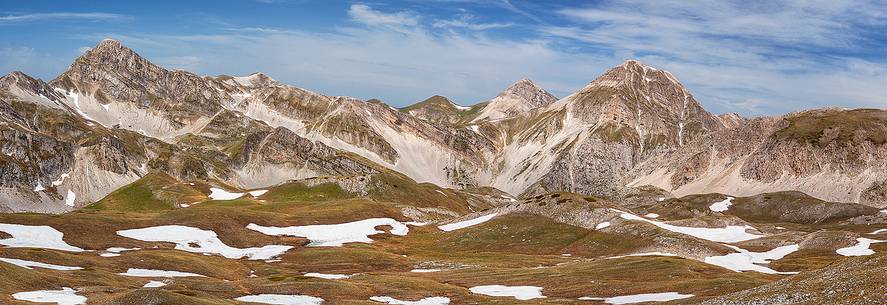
x=365, y=14
x=468, y=21
x=45, y=16
x=753, y=57
x=380, y=57
x=511, y=7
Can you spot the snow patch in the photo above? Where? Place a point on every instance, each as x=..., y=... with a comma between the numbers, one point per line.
x=69, y=200
x=60, y=180
x=646, y=254
x=751, y=261
x=154, y=284
x=66, y=296
x=878, y=231
x=460, y=107
x=652, y=215
x=729, y=234
x=39, y=187
x=466, y=223
x=602, y=225
x=424, y=301
x=136, y=272
x=861, y=248
x=195, y=240
x=641, y=298
x=220, y=194
x=31, y=264
x=328, y=276
x=518, y=292
x=336, y=235
x=115, y=251
x=281, y=299
x=25, y=236
x=257, y=193
x=722, y=206
x=419, y=270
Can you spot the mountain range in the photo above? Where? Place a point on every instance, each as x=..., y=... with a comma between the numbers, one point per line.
x=122, y=182
x=114, y=116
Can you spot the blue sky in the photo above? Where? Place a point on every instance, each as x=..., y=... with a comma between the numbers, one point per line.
x=751, y=57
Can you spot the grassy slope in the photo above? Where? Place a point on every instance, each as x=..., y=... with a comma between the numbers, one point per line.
x=516, y=249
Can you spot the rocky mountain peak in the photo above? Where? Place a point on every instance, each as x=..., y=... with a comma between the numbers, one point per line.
x=527, y=90
x=25, y=87
x=110, y=52
x=650, y=102
x=256, y=79
x=731, y=120
x=522, y=96
x=112, y=73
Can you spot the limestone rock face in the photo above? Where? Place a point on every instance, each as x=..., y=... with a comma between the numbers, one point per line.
x=832, y=154
x=591, y=139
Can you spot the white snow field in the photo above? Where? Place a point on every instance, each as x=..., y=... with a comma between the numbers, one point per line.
x=154, y=284
x=44, y=237
x=751, y=261
x=195, y=240
x=31, y=264
x=420, y=270
x=602, y=225
x=722, y=206
x=115, y=251
x=336, y=235
x=645, y=254
x=641, y=298
x=281, y=299
x=66, y=296
x=860, y=249
x=424, y=301
x=467, y=223
x=136, y=272
x=730, y=234
x=517, y=292
x=220, y=194
x=328, y=276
